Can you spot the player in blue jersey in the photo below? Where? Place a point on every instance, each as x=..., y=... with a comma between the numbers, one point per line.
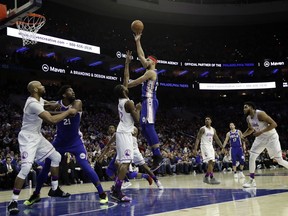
x=68, y=139
x=149, y=83
x=234, y=136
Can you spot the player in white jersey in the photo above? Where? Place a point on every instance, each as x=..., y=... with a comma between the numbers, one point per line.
x=138, y=160
x=263, y=128
x=205, y=137
x=33, y=145
x=128, y=114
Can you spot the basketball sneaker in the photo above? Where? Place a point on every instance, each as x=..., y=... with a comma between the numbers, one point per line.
x=58, y=193
x=241, y=175
x=34, y=198
x=120, y=197
x=13, y=208
x=206, y=180
x=125, y=185
x=159, y=185
x=103, y=198
x=214, y=181
x=157, y=162
x=250, y=183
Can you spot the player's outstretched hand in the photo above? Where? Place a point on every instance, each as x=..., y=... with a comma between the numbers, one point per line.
x=128, y=56
x=137, y=36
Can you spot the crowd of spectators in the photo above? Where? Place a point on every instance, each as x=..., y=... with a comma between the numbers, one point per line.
x=177, y=139
x=183, y=107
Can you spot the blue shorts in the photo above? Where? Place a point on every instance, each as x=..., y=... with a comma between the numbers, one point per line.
x=237, y=155
x=148, y=111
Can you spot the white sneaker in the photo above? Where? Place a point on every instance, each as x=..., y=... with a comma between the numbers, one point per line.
x=250, y=183
x=159, y=185
x=241, y=175
x=235, y=175
x=126, y=185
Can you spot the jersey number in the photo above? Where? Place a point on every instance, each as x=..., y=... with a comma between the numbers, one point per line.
x=67, y=122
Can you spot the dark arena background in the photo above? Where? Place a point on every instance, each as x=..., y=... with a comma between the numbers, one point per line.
x=212, y=57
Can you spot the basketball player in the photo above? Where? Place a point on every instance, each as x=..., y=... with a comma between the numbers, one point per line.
x=206, y=134
x=149, y=83
x=128, y=114
x=112, y=166
x=234, y=136
x=69, y=139
x=32, y=143
x=263, y=128
x=139, y=161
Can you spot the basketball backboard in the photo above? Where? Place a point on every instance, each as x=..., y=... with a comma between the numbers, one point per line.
x=13, y=10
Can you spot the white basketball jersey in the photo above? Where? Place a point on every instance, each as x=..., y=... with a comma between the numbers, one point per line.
x=207, y=137
x=259, y=125
x=126, y=124
x=31, y=121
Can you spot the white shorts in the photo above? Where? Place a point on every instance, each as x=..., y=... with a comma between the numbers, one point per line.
x=138, y=159
x=208, y=153
x=124, y=147
x=271, y=143
x=34, y=147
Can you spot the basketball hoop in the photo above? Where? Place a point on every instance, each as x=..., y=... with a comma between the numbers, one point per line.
x=29, y=26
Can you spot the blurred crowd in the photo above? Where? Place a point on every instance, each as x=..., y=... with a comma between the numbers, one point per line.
x=177, y=139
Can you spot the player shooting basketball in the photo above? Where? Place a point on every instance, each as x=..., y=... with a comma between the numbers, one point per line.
x=149, y=101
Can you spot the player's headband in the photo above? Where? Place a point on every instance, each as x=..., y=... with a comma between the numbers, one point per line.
x=153, y=59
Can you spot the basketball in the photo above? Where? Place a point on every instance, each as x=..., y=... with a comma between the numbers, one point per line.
x=137, y=26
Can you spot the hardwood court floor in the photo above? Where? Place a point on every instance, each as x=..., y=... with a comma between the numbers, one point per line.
x=183, y=195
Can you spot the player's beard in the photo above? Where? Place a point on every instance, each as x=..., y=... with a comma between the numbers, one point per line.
x=71, y=100
x=247, y=113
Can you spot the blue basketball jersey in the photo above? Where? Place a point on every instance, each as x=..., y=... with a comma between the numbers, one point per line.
x=69, y=128
x=149, y=88
x=235, y=139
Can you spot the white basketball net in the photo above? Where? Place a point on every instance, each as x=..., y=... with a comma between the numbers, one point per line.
x=29, y=26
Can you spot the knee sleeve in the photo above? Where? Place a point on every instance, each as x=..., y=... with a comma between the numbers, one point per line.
x=55, y=158
x=252, y=160
x=25, y=169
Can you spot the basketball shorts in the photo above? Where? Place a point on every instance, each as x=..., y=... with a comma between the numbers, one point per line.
x=271, y=143
x=138, y=159
x=124, y=147
x=76, y=147
x=208, y=153
x=237, y=155
x=34, y=147
x=148, y=111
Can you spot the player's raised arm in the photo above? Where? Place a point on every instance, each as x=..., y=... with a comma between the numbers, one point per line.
x=140, y=52
x=126, y=69
x=148, y=75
